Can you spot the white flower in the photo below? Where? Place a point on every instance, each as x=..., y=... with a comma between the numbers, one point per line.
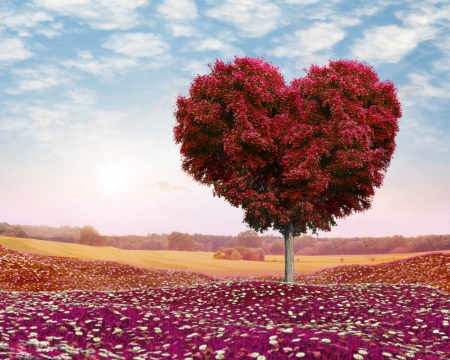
x=362, y=352
x=288, y=330
x=118, y=346
x=220, y=354
x=34, y=342
x=300, y=355
x=202, y=347
x=358, y=357
x=96, y=339
x=158, y=330
x=273, y=342
x=435, y=331
x=387, y=354
x=325, y=341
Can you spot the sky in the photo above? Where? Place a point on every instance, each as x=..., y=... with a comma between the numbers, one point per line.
x=88, y=91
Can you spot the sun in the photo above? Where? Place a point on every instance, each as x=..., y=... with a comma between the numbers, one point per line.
x=112, y=178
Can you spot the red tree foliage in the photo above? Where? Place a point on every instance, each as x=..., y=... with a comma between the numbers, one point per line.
x=294, y=157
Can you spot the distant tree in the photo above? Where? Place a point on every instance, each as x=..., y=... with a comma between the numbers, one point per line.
x=12, y=231
x=199, y=246
x=356, y=248
x=325, y=248
x=227, y=253
x=247, y=253
x=249, y=239
x=419, y=246
x=303, y=242
x=261, y=254
x=90, y=236
x=276, y=248
x=242, y=250
x=252, y=255
x=398, y=250
x=236, y=256
x=218, y=255
x=398, y=241
x=180, y=242
x=209, y=246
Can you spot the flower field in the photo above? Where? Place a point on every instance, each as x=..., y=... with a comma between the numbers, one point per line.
x=60, y=308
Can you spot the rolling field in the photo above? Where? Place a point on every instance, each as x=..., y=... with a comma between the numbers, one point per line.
x=179, y=305
x=194, y=261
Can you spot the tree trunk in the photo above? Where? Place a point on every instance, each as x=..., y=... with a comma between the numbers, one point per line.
x=289, y=254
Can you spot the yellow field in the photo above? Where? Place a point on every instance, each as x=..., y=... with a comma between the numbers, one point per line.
x=193, y=261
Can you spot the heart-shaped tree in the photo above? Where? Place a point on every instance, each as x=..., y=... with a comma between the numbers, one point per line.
x=294, y=157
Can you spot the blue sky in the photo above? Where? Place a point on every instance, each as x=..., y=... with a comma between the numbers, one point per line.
x=88, y=88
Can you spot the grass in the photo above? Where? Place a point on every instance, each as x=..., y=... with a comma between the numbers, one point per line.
x=192, y=261
x=61, y=308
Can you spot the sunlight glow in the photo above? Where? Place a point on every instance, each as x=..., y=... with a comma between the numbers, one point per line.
x=112, y=178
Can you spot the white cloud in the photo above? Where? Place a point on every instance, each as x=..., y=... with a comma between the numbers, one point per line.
x=423, y=133
x=301, y=2
x=107, y=117
x=195, y=67
x=18, y=20
x=345, y=20
x=178, y=9
x=370, y=9
x=38, y=79
x=13, y=50
x=81, y=97
x=390, y=43
x=51, y=31
x=43, y=117
x=137, y=44
x=443, y=63
x=213, y=44
x=420, y=87
x=98, y=14
x=179, y=30
x=105, y=66
x=321, y=36
x=23, y=21
x=84, y=55
x=424, y=15
x=254, y=18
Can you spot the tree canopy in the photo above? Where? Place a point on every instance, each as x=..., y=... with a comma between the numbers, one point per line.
x=90, y=236
x=295, y=157
x=249, y=239
x=180, y=242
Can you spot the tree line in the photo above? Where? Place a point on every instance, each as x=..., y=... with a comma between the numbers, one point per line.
x=270, y=244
